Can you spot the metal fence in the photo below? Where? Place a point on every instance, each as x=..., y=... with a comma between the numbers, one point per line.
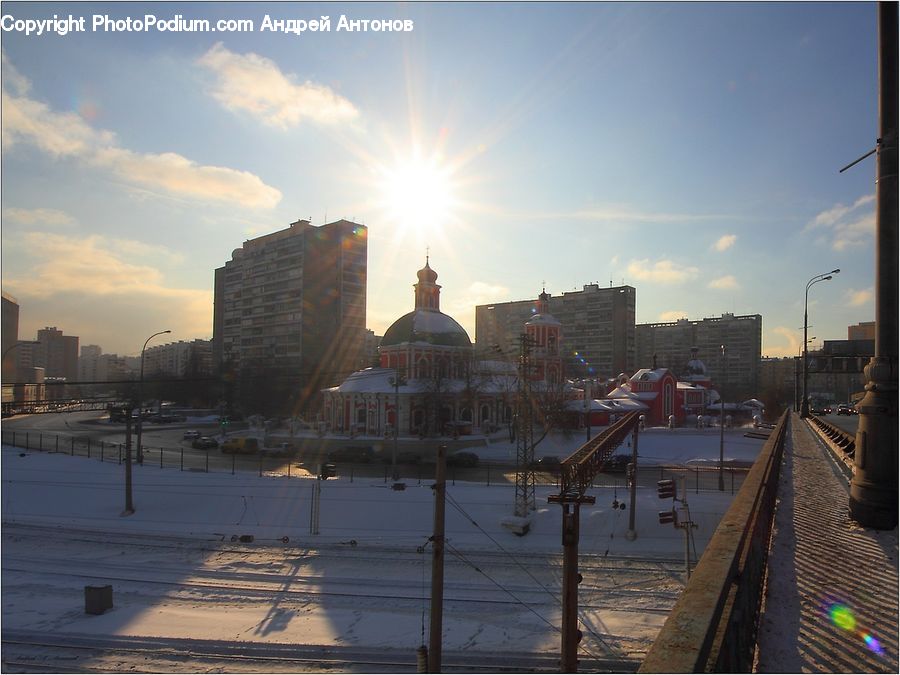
x=699, y=479
x=712, y=627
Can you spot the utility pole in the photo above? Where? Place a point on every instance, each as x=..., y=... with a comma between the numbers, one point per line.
x=631, y=535
x=576, y=475
x=873, y=489
x=588, y=394
x=525, y=500
x=129, y=502
x=722, y=425
x=437, y=563
x=570, y=634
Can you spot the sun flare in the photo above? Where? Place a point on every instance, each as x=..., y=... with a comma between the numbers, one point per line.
x=418, y=195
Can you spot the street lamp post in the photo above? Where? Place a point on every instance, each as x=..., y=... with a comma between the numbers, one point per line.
x=797, y=375
x=140, y=421
x=396, y=381
x=825, y=276
x=722, y=426
x=588, y=400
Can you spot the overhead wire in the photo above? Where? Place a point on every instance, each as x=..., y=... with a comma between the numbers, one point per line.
x=553, y=595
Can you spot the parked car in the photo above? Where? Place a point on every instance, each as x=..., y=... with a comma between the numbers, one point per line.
x=844, y=409
x=191, y=435
x=205, y=443
x=353, y=454
x=464, y=459
x=241, y=446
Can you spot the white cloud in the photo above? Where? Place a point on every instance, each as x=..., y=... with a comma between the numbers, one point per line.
x=725, y=242
x=66, y=134
x=788, y=345
x=179, y=175
x=662, y=271
x=846, y=226
x=673, y=315
x=58, y=134
x=481, y=293
x=90, y=284
x=255, y=84
x=854, y=233
x=858, y=298
x=38, y=216
x=12, y=77
x=726, y=283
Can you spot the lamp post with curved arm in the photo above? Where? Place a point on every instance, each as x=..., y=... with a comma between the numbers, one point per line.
x=825, y=276
x=140, y=420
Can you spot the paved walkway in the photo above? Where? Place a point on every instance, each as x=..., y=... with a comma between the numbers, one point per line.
x=832, y=595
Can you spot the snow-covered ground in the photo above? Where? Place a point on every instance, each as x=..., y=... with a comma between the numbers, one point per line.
x=179, y=569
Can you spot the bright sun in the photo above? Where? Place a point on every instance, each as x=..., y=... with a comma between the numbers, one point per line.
x=418, y=195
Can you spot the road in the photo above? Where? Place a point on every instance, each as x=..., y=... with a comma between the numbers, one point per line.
x=848, y=423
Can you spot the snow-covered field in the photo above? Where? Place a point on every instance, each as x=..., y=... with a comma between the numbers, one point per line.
x=179, y=570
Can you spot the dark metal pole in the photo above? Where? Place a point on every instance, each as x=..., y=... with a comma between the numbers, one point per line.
x=129, y=502
x=722, y=423
x=570, y=633
x=437, y=564
x=804, y=402
x=873, y=489
x=587, y=409
x=140, y=424
x=826, y=276
x=631, y=535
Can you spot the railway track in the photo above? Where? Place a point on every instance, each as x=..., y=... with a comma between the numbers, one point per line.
x=26, y=652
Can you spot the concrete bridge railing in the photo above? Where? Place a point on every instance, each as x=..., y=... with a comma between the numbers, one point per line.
x=713, y=626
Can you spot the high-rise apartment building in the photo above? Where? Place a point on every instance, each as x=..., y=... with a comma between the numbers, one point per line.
x=57, y=354
x=597, y=327
x=293, y=304
x=864, y=330
x=669, y=346
x=9, y=336
x=179, y=359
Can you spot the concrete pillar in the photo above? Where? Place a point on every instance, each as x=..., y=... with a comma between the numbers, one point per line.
x=873, y=490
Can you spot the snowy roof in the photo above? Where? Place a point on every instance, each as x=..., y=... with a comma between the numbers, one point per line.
x=622, y=392
x=625, y=405
x=546, y=319
x=649, y=374
x=688, y=385
x=428, y=326
x=380, y=381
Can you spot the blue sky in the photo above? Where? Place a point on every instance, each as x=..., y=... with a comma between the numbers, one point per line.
x=688, y=149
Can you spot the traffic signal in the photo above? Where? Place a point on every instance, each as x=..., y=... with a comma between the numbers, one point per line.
x=665, y=489
x=667, y=517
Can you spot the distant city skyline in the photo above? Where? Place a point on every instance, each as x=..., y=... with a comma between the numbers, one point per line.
x=688, y=150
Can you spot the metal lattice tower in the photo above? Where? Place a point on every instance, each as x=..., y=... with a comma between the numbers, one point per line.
x=525, y=500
